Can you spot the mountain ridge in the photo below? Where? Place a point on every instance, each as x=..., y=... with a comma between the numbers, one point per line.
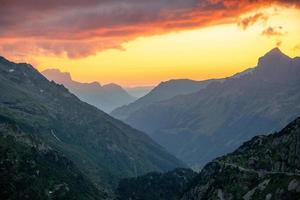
x=30, y=169
x=139, y=91
x=165, y=90
x=264, y=167
x=103, y=148
x=105, y=97
x=213, y=118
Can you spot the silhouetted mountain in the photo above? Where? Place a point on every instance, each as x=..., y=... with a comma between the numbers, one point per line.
x=106, y=97
x=103, y=149
x=266, y=167
x=243, y=73
x=154, y=186
x=139, y=91
x=164, y=91
x=201, y=126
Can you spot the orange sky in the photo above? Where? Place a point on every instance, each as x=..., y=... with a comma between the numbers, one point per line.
x=217, y=44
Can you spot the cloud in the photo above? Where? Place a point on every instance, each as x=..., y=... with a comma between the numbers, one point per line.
x=79, y=28
x=273, y=31
x=72, y=49
x=250, y=20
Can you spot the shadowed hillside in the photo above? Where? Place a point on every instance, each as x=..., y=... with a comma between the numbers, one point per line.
x=103, y=148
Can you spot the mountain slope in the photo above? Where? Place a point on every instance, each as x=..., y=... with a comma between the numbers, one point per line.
x=103, y=148
x=164, y=91
x=139, y=91
x=29, y=169
x=266, y=167
x=106, y=97
x=219, y=118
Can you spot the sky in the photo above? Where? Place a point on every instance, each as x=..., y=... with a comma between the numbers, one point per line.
x=142, y=42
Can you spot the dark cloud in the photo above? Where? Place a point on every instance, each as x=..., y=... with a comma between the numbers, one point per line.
x=248, y=21
x=273, y=31
x=70, y=18
x=77, y=28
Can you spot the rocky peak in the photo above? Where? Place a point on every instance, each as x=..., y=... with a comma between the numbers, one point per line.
x=275, y=66
x=273, y=57
x=57, y=75
x=274, y=51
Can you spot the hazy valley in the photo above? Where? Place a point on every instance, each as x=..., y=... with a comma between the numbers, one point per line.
x=216, y=119
x=71, y=150
x=150, y=100
x=106, y=97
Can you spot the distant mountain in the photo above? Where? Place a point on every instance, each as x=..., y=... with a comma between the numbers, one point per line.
x=106, y=97
x=102, y=148
x=164, y=91
x=140, y=91
x=266, y=167
x=154, y=186
x=201, y=126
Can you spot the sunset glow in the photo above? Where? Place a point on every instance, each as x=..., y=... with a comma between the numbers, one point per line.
x=215, y=49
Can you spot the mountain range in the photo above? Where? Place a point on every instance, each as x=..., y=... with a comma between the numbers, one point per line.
x=265, y=167
x=102, y=149
x=106, y=97
x=165, y=90
x=216, y=119
x=55, y=146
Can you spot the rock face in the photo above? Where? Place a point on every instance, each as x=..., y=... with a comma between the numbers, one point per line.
x=106, y=97
x=153, y=186
x=266, y=167
x=201, y=126
x=103, y=148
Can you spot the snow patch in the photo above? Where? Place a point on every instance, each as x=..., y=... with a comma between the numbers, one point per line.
x=52, y=132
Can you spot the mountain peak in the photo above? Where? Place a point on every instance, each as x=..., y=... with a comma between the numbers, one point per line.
x=112, y=86
x=274, y=58
x=275, y=66
x=275, y=53
x=95, y=84
x=57, y=75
